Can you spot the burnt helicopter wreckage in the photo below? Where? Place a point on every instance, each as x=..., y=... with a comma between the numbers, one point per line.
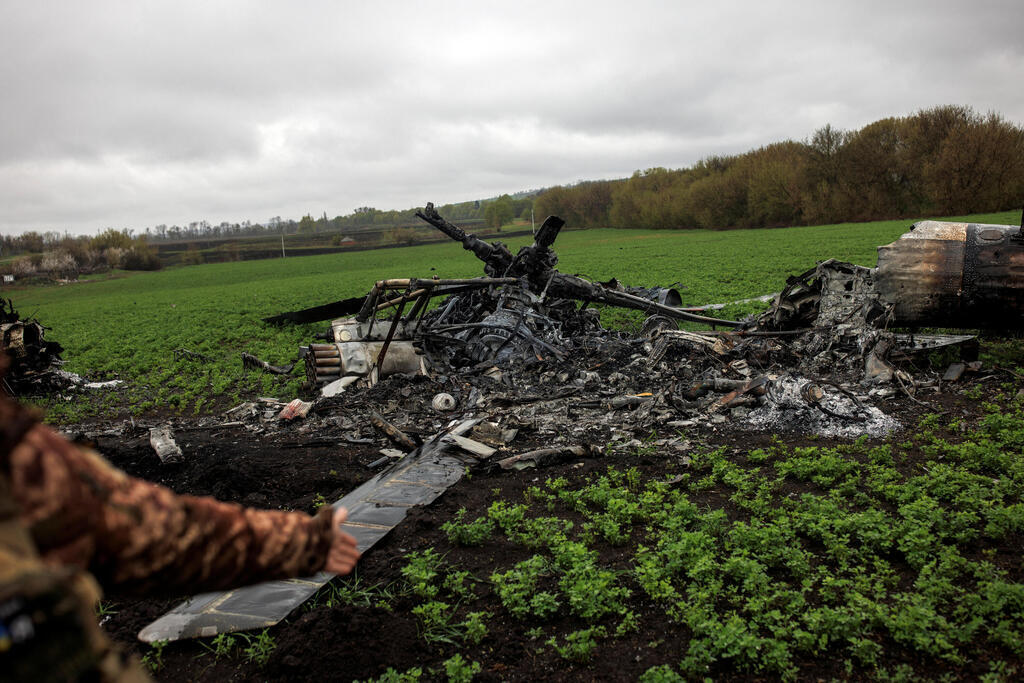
x=522, y=349
x=524, y=311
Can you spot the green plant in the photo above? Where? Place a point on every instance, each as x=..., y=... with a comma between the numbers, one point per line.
x=105, y=608
x=540, y=532
x=591, y=592
x=258, y=647
x=154, y=659
x=459, y=670
x=455, y=583
x=391, y=676
x=629, y=624
x=221, y=646
x=660, y=674
x=475, y=628
x=517, y=589
x=506, y=516
x=435, y=622
x=579, y=645
x=421, y=572
x=999, y=671
x=473, y=533
x=350, y=590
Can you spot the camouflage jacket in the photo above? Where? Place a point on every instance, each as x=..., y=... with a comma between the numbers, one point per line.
x=142, y=538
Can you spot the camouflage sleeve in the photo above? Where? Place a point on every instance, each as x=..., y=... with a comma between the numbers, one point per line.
x=143, y=538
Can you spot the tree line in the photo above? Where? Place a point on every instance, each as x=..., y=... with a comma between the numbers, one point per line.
x=947, y=160
x=943, y=161
x=494, y=212
x=54, y=255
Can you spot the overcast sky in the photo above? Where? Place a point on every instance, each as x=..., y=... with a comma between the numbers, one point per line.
x=130, y=114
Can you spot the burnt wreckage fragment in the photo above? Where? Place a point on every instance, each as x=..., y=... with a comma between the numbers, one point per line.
x=33, y=362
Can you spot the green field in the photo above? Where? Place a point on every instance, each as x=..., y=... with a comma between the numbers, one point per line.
x=128, y=327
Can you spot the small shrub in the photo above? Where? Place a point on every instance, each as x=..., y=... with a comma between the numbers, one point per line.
x=259, y=648
x=154, y=659
x=579, y=645
x=473, y=533
x=476, y=629
x=459, y=670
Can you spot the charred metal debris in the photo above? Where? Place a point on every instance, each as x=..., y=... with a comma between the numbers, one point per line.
x=526, y=343
x=34, y=365
x=33, y=361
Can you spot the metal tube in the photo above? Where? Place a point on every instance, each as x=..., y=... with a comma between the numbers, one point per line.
x=366, y=311
x=420, y=305
x=391, y=334
x=400, y=299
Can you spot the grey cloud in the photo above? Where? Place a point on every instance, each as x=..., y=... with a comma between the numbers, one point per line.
x=132, y=114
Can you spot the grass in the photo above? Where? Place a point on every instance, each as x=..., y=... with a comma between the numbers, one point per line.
x=128, y=327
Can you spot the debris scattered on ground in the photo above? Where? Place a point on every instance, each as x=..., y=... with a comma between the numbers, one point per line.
x=294, y=409
x=542, y=457
x=36, y=367
x=75, y=380
x=162, y=441
x=392, y=432
x=374, y=509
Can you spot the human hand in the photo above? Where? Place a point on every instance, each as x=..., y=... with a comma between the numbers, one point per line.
x=342, y=556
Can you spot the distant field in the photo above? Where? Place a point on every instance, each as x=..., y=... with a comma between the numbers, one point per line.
x=128, y=327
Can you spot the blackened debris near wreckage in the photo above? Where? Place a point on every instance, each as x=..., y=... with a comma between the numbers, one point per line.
x=34, y=362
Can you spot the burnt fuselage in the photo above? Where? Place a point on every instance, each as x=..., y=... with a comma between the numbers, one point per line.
x=965, y=275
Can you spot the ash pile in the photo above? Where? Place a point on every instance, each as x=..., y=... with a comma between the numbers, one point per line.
x=524, y=346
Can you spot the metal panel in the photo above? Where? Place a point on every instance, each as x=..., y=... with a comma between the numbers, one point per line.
x=954, y=275
x=375, y=508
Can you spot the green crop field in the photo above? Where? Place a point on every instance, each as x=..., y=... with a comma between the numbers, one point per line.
x=128, y=326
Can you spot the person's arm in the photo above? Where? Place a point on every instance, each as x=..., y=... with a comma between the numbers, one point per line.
x=143, y=538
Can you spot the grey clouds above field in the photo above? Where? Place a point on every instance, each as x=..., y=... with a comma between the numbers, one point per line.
x=131, y=114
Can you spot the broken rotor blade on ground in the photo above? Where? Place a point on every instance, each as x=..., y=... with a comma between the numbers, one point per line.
x=570, y=286
x=374, y=509
x=335, y=309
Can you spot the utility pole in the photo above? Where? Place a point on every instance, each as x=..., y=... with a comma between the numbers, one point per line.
x=282, y=242
x=533, y=226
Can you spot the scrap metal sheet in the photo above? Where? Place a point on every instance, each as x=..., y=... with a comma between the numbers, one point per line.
x=374, y=509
